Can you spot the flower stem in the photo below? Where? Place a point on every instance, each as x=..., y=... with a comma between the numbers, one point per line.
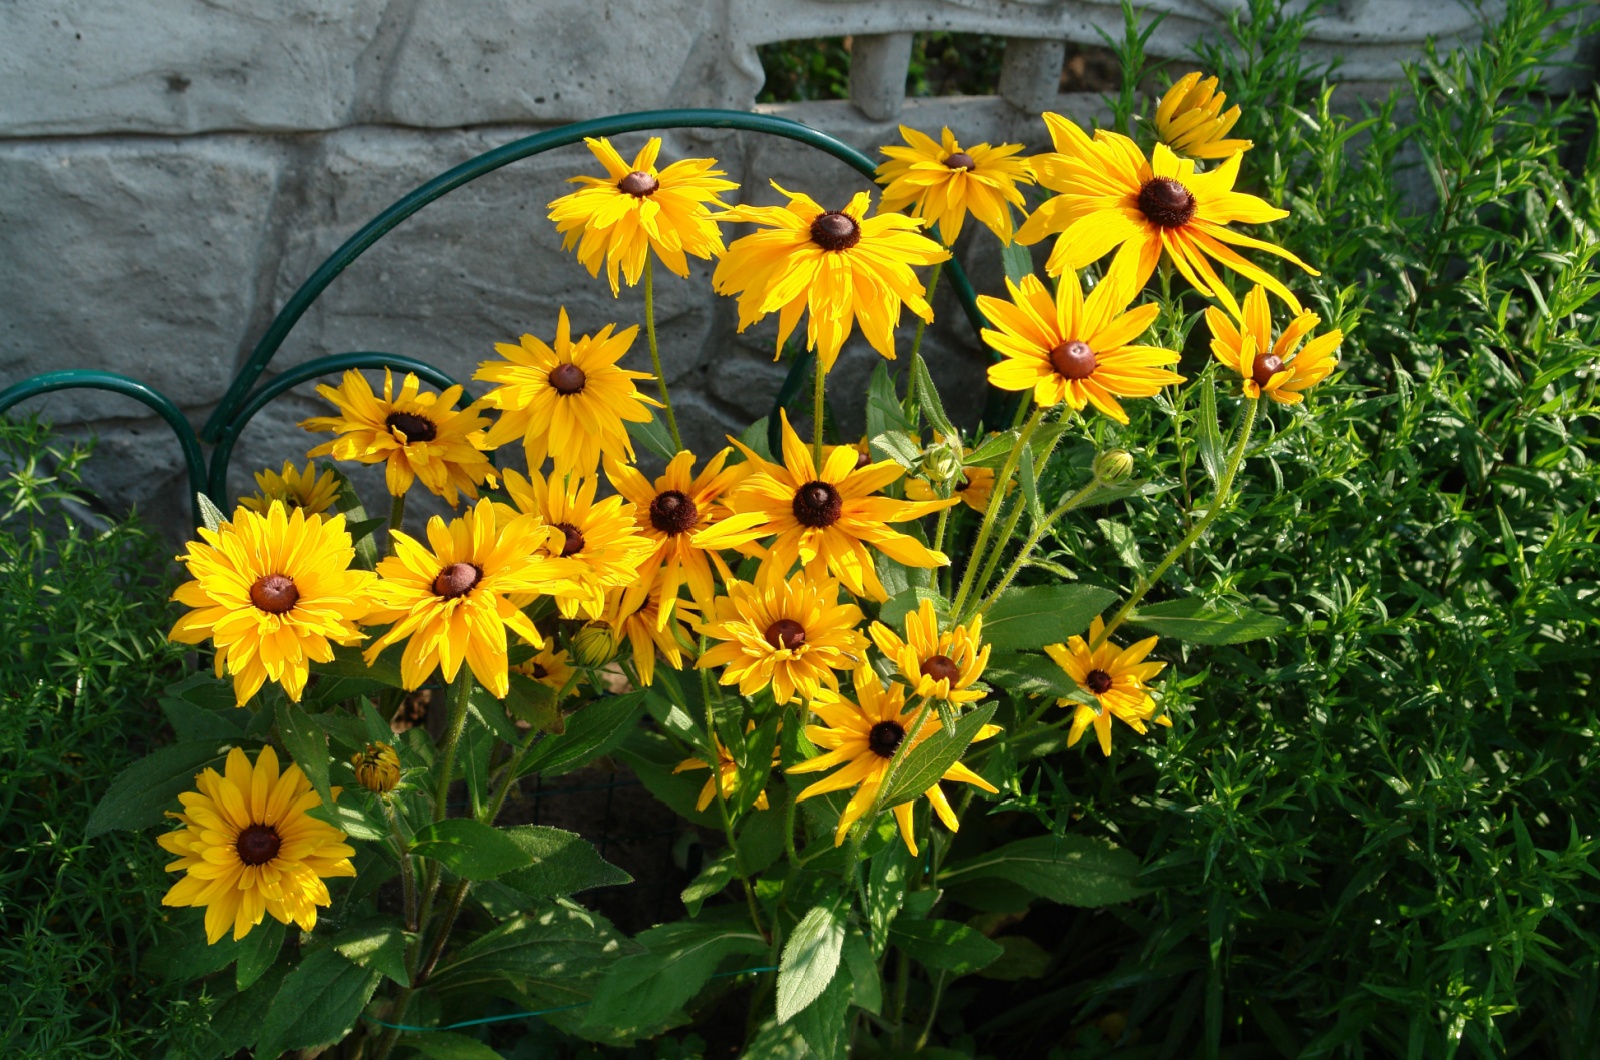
x=460, y=693
x=655, y=353
x=1077, y=500
x=996, y=496
x=408, y=881
x=397, y=515
x=933, y=285
x=993, y=560
x=816, y=413
x=727, y=821
x=1224, y=490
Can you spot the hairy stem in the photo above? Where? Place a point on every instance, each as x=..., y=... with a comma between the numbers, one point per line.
x=995, y=499
x=816, y=412
x=1077, y=500
x=655, y=352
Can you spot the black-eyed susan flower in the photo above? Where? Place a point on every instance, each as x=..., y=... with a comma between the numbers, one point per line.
x=377, y=767
x=599, y=539
x=789, y=635
x=1075, y=349
x=862, y=735
x=840, y=265
x=249, y=848
x=1271, y=368
x=453, y=602
x=570, y=401
x=416, y=435
x=1191, y=121
x=273, y=593
x=551, y=668
x=941, y=665
x=306, y=490
x=634, y=209
x=824, y=518
x=943, y=182
x=1111, y=196
x=669, y=512
x=727, y=774
x=649, y=628
x=1116, y=677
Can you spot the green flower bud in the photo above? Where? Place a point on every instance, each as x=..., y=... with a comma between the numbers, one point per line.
x=1112, y=466
x=377, y=768
x=595, y=644
x=941, y=462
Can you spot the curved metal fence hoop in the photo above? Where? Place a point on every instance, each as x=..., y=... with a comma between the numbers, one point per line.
x=488, y=162
x=222, y=455
x=78, y=379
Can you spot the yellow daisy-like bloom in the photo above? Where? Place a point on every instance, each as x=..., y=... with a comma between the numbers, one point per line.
x=669, y=513
x=1191, y=121
x=942, y=183
x=273, y=593
x=1268, y=367
x=416, y=435
x=1115, y=677
x=649, y=628
x=789, y=634
x=825, y=519
x=1111, y=196
x=568, y=402
x=941, y=665
x=305, y=490
x=599, y=540
x=727, y=774
x=551, y=668
x=840, y=264
x=248, y=847
x=632, y=210
x=377, y=767
x=455, y=601
x=863, y=735
x=1075, y=349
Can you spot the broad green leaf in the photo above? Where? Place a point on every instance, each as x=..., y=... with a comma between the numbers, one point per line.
x=258, y=951
x=992, y=451
x=489, y=713
x=349, y=663
x=825, y=1023
x=714, y=878
x=191, y=722
x=1071, y=870
x=238, y=1020
x=1023, y=959
x=1017, y=260
x=534, y=703
x=317, y=1004
x=777, y=1041
x=376, y=942
x=928, y=399
x=591, y=732
x=562, y=863
x=352, y=817
x=307, y=745
x=866, y=982
x=654, y=436
x=810, y=959
x=884, y=412
x=649, y=987
x=470, y=849
x=445, y=1045
x=755, y=436
x=929, y=760
x=896, y=446
x=944, y=945
x=1207, y=431
x=210, y=514
x=1029, y=617
x=141, y=794
x=1030, y=675
x=1120, y=537
x=886, y=891
x=1192, y=619
x=555, y=943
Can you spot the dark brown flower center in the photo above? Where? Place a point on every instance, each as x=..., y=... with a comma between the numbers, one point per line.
x=274, y=593
x=257, y=844
x=456, y=580
x=961, y=160
x=835, y=231
x=786, y=633
x=965, y=483
x=1073, y=360
x=415, y=428
x=567, y=378
x=885, y=737
x=539, y=672
x=673, y=513
x=1266, y=367
x=572, y=539
x=1166, y=202
x=817, y=504
x=638, y=184
x=1099, y=682
x=941, y=668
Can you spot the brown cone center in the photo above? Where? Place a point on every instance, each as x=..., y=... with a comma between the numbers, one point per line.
x=638, y=184
x=835, y=231
x=415, y=428
x=1073, y=360
x=786, y=633
x=941, y=668
x=456, y=580
x=567, y=378
x=257, y=844
x=961, y=160
x=1166, y=202
x=1265, y=368
x=539, y=672
x=572, y=542
x=817, y=504
x=1099, y=682
x=274, y=593
x=884, y=737
x=673, y=513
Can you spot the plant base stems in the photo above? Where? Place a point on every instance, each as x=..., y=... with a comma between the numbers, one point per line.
x=922, y=325
x=655, y=353
x=995, y=497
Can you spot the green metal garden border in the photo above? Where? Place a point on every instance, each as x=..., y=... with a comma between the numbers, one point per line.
x=239, y=405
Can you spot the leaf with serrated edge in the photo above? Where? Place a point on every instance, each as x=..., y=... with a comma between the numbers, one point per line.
x=1193, y=620
x=944, y=945
x=1071, y=870
x=470, y=849
x=1029, y=617
x=317, y=1004
x=929, y=760
x=562, y=863
x=810, y=959
x=141, y=794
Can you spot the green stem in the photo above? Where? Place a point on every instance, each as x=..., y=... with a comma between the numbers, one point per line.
x=933, y=285
x=655, y=353
x=727, y=821
x=994, y=558
x=1077, y=500
x=1224, y=490
x=933, y=1011
x=397, y=514
x=995, y=499
x=408, y=881
x=460, y=693
x=816, y=413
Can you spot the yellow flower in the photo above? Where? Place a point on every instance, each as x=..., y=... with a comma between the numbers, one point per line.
x=1075, y=349
x=649, y=627
x=455, y=601
x=790, y=635
x=865, y=734
x=727, y=774
x=632, y=210
x=1115, y=677
x=1272, y=368
x=247, y=847
x=1191, y=121
x=550, y=668
x=271, y=591
x=1110, y=197
x=569, y=402
x=841, y=264
x=942, y=182
x=599, y=541
x=306, y=490
x=824, y=519
x=941, y=665
x=418, y=436
x=377, y=767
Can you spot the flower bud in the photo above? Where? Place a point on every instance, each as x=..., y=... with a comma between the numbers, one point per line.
x=941, y=462
x=1112, y=466
x=595, y=644
x=377, y=768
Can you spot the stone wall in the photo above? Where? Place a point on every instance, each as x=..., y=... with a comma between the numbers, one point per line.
x=171, y=170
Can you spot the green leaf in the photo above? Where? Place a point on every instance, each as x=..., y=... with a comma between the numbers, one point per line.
x=470, y=849
x=992, y=451
x=591, y=732
x=654, y=436
x=1192, y=619
x=1207, y=432
x=317, y=1004
x=555, y=943
x=237, y=1021
x=378, y=943
x=884, y=412
x=258, y=951
x=1017, y=260
x=810, y=959
x=893, y=612
x=353, y=818
x=650, y=987
x=1122, y=541
x=141, y=794
x=1031, y=675
x=755, y=436
x=713, y=879
x=562, y=863
x=865, y=979
x=210, y=514
x=929, y=760
x=349, y=663
x=307, y=745
x=1032, y=616
x=944, y=945
x=825, y=1022
x=191, y=722
x=898, y=447
x=1030, y=486
x=1071, y=870
x=928, y=399
x=445, y=1045
x=1023, y=959
x=532, y=702
x=886, y=891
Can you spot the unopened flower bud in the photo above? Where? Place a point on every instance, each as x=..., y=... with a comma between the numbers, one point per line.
x=595, y=644
x=377, y=768
x=1112, y=466
x=941, y=462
